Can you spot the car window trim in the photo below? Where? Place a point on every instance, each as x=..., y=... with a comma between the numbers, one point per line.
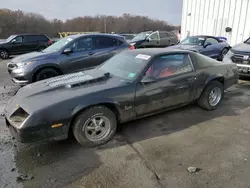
x=159, y=79
x=157, y=32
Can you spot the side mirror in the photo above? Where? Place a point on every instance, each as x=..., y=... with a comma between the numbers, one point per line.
x=207, y=44
x=13, y=41
x=148, y=39
x=148, y=79
x=67, y=51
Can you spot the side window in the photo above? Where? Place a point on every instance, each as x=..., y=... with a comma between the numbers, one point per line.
x=170, y=34
x=211, y=40
x=105, y=42
x=84, y=44
x=30, y=38
x=18, y=39
x=41, y=38
x=154, y=36
x=163, y=35
x=169, y=65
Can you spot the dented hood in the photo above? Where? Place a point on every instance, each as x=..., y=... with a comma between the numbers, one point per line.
x=41, y=94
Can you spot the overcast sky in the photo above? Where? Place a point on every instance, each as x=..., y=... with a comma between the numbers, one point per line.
x=168, y=10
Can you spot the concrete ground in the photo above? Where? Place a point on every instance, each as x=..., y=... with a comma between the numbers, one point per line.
x=147, y=153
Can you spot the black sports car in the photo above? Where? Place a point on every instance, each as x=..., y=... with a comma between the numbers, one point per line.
x=130, y=85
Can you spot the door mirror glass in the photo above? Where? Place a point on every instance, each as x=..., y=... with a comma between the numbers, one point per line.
x=149, y=39
x=67, y=51
x=207, y=44
x=148, y=79
x=13, y=41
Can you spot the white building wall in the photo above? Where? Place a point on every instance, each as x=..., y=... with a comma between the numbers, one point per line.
x=211, y=17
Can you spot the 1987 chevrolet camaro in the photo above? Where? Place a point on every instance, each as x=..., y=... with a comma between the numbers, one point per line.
x=132, y=84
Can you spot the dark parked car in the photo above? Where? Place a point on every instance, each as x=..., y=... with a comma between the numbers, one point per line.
x=240, y=55
x=70, y=54
x=130, y=85
x=154, y=39
x=128, y=36
x=23, y=43
x=206, y=45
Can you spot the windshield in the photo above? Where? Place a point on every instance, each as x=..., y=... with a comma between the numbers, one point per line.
x=58, y=45
x=193, y=41
x=247, y=41
x=10, y=38
x=141, y=36
x=125, y=65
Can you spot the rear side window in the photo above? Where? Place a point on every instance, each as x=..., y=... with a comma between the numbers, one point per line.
x=35, y=38
x=105, y=42
x=163, y=35
x=170, y=34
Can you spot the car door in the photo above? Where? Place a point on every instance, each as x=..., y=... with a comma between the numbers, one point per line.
x=16, y=45
x=30, y=43
x=105, y=48
x=81, y=56
x=152, y=41
x=211, y=48
x=164, y=40
x=172, y=87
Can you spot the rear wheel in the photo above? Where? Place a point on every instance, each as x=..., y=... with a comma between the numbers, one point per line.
x=46, y=73
x=95, y=126
x=4, y=54
x=211, y=95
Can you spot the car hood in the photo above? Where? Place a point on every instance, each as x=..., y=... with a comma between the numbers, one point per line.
x=55, y=90
x=242, y=47
x=33, y=56
x=185, y=47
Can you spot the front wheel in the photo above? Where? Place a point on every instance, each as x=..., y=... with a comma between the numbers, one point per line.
x=223, y=53
x=46, y=73
x=211, y=95
x=95, y=126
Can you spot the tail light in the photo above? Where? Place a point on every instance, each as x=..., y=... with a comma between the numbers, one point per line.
x=131, y=47
x=49, y=42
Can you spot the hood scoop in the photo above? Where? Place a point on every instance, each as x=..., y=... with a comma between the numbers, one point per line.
x=74, y=80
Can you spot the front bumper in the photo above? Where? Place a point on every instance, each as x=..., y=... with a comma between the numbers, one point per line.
x=243, y=70
x=35, y=134
x=20, y=76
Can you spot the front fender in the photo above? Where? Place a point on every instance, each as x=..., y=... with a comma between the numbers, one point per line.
x=90, y=103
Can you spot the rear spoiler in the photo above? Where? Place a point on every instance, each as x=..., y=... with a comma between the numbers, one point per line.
x=222, y=39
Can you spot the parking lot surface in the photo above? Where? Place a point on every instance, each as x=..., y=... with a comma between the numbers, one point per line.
x=151, y=152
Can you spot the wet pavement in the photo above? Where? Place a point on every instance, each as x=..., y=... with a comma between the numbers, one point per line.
x=151, y=152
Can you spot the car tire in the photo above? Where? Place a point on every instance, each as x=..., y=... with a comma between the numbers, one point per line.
x=211, y=96
x=223, y=53
x=4, y=54
x=94, y=126
x=46, y=73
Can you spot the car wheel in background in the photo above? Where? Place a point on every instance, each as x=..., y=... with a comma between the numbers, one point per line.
x=95, y=126
x=41, y=48
x=4, y=54
x=211, y=95
x=45, y=74
x=223, y=53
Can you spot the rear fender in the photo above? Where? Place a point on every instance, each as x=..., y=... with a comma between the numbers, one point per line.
x=218, y=77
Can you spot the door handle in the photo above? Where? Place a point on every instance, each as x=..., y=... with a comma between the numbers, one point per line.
x=191, y=79
x=91, y=53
